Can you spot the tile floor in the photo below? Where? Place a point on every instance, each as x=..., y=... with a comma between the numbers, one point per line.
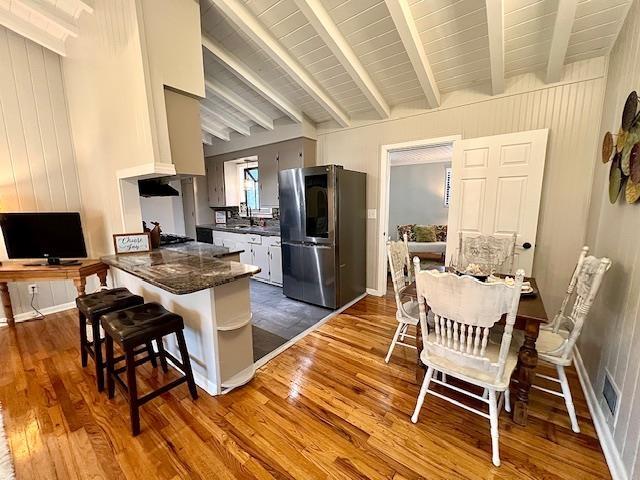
x=277, y=319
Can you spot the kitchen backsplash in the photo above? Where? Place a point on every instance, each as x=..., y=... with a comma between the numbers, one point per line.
x=234, y=218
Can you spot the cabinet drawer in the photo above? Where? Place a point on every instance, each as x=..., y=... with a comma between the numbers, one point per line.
x=254, y=239
x=274, y=241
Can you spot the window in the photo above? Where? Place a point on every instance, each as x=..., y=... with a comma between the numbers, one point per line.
x=447, y=186
x=251, y=190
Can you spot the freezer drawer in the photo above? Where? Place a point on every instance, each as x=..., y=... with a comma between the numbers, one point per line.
x=292, y=270
x=319, y=279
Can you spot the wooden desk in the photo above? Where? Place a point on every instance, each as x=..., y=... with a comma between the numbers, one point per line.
x=531, y=314
x=18, y=272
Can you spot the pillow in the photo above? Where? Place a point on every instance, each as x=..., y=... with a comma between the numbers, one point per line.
x=408, y=229
x=441, y=233
x=425, y=233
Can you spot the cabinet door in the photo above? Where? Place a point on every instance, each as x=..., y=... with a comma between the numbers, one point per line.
x=215, y=181
x=260, y=258
x=291, y=154
x=245, y=256
x=275, y=264
x=268, y=176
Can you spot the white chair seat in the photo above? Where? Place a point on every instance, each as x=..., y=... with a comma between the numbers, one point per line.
x=473, y=375
x=411, y=314
x=548, y=342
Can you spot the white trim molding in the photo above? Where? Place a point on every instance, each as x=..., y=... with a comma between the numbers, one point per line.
x=611, y=453
x=26, y=316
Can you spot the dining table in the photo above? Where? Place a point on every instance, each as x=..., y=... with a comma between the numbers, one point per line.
x=531, y=316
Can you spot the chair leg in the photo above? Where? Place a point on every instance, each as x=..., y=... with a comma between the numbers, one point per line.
x=422, y=394
x=152, y=354
x=393, y=342
x=111, y=387
x=186, y=362
x=82, y=320
x=132, y=388
x=568, y=400
x=97, y=350
x=507, y=400
x=493, y=418
x=485, y=393
x=161, y=354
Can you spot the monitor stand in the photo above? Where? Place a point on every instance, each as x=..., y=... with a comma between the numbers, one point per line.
x=54, y=262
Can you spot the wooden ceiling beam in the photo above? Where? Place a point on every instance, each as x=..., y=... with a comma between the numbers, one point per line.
x=495, y=27
x=207, y=138
x=226, y=120
x=253, y=28
x=214, y=129
x=560, y=40
x=30, y=31
x=47, y=11
x=406, y=26
x=326, y=28
x=251, y=79
x=236, y=101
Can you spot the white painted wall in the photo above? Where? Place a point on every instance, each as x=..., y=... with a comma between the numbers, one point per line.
x=611, y=337
x=571, y=109
x=416, y=195
x=168, y=211
x=37, y=163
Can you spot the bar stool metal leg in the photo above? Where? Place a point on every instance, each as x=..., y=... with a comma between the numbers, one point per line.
x=132, y=390
x=186, y=363
x=152, y=354
x=111, y=387
x=97, y=349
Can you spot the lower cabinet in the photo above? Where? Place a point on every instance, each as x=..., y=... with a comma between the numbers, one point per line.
x=262, y=251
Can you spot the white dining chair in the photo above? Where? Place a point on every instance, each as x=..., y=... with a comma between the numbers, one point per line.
x=493, y=254
x=407, y=307
x=556, y=340
x=464, y=311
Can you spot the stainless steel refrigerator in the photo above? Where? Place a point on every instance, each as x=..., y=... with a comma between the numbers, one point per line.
x=323, y=229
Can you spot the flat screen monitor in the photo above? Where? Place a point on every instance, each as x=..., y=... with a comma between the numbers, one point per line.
x=43, y=235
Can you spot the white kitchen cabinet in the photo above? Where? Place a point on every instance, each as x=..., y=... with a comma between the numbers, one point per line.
x=260, y=258
x=275, y=264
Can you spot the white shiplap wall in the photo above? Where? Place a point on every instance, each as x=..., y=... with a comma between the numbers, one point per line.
x=571, y=110
x=611, y=338
x=37, y=164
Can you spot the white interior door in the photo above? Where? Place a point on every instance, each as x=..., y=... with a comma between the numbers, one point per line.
x=495, y=190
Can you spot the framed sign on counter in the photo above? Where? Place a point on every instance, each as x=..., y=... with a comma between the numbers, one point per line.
x=131, y=242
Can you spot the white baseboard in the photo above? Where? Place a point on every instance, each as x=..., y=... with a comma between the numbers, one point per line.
x=375, y=293
x=262, y=361
x=611, y=453
x=25, y=316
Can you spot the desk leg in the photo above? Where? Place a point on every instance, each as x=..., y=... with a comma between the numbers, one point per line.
x=525, y=372
x=6, y=304
x=102, y=275
x=80, y=284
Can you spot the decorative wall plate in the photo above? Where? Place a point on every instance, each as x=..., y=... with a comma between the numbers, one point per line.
x=615, y=181
x=607, y=147
x=629, y=111
x=634, y=163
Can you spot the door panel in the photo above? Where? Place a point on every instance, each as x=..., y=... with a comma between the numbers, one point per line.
x=291, y=205
x=496, y=188
x=275, y=264
x=261, y=259
x=292, y=270
x=319, y=280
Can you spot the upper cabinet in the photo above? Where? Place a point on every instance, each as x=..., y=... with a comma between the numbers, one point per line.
x=272, y=158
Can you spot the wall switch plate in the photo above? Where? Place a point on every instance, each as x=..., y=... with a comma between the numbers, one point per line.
x=33, y=288
x=372, y=214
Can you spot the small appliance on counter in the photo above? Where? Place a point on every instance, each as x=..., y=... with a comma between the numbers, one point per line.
x=323, y=228
x=171, y=239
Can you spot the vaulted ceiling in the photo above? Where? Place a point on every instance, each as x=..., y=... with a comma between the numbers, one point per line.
x=343, y=60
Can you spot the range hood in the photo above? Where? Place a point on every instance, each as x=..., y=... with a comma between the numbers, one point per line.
x=156, y=187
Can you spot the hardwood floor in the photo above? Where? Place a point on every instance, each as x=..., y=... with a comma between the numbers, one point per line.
x=328, y=407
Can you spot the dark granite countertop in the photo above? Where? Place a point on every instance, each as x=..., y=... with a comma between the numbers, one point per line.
x=183, y=268
x=264, y=231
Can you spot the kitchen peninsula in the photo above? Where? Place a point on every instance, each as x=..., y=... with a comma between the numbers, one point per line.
x=209, y=288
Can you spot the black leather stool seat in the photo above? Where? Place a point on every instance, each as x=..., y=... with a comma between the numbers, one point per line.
x=136, y=325
x=96, y=304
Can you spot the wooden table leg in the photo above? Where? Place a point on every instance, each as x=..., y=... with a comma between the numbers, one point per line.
x=80, y=284
x=6, y=304
x=525, y=372
x=102, y=275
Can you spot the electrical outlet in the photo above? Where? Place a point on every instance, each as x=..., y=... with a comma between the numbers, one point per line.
x=33, y=288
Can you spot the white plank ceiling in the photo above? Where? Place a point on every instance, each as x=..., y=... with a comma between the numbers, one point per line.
x=343, y=60
x=454, y=35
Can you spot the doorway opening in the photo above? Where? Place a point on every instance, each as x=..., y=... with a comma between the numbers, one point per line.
x=415, y=189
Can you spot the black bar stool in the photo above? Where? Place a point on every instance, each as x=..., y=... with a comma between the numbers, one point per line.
x=137, y=326
x=90, y=308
